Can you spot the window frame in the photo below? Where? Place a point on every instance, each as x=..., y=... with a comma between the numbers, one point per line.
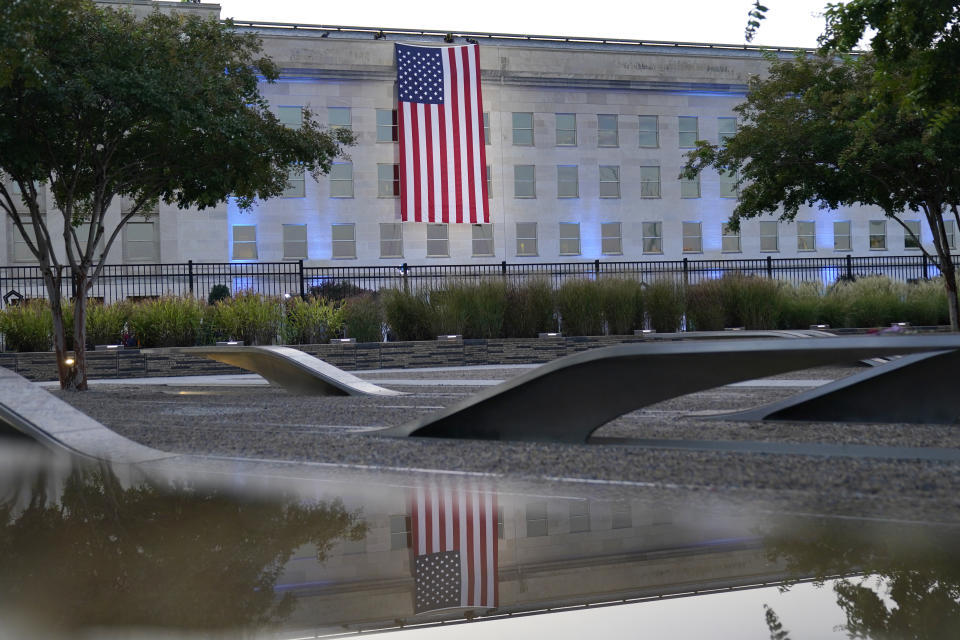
x=569, y=237
x=652, y=231
x=871, y=234
x=645, y=180
x=811, y=235
x=306, y=241
x=296, y=183
x=727, y=233
x=527, y=238
x=908, y=241
x=289, y=109
x=616, y=181
x=573, y=131
x=848, y=235
x=517, y=181
x=336, y=180
x=432, y=242
x=723, y=136
x=684, y=235
x=605, y=237
x=681, y=132
x=234, y=243
x=685, y=185
x=522, y=129
x=655, y=131
x=394, y=180
x=383, y=240
x=335, y=242
x=474, y=240
x=615, y=131
x=764, y=233
x=575, y=182
x=393, y=128
x=340, y=125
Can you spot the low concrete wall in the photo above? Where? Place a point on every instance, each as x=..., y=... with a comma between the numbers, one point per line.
x=133, y=363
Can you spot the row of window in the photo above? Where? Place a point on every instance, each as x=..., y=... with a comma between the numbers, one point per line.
x=344, y=239
x=524, y=182
x=609, y=127
x=140, y=241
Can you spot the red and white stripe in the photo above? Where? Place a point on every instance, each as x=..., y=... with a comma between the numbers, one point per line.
x=458, y=519
x=442, y=156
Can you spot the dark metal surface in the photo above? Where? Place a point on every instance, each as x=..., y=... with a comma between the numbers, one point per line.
x=915, y=388
x=568, y=399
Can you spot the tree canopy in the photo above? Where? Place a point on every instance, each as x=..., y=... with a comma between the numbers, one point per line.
x=99, y=105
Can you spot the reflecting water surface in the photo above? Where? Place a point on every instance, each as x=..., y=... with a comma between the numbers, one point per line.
x=87, y=550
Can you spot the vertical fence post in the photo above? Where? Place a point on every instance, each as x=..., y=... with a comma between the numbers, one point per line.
x=303, y=286
x=403, y=274
x=926, y=265
x=596, y=269
x=686, y=271
x=770, y=267
x=849, y=267
x=73, y=284
x=190, y=275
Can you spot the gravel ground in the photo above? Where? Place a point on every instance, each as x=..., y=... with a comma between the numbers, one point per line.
x=263, y=422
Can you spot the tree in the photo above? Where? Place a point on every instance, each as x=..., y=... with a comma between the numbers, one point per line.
x=826, y=131
x=100, y=106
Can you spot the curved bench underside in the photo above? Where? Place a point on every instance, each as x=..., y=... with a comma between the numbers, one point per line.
x=292, y=369
x=568, y=399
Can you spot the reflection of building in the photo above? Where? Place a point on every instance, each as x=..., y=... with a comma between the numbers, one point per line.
x=585, y=144
x=552, y=552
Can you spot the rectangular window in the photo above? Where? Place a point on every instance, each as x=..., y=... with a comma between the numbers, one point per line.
x=83, y=232
x=878, y=234
x=400, y=529
x=911, y=235
x=622, y=516
x=726, y=128
x=141, y=240
x=653, y=237
x=579, y=516
x=296, y=183
x=526, y=238
x=569, y=238
x=951, y=230
x=728, y=185
x=568, y=185
x=607, y=130
x=244, y=242
x=611, y=240
x=730, y=239
x=339, y=118
x=690, y=188
x=649, y=131
x=489, y=181
x=841, y=236
x=438, y=241
x=290, y=116
x=524, y=181
x=566, y=129
x=692, y=237
x=769, y=235
x=536, y=519
x=387, y=125
x=341, y=180
x=687, y=127
x=486, y=127
x=806, y=235
x=391, y=240
x=482, y=240
x=294, y=241
x=19, y=250
x=609, y=181
x=649, y=182
x=344, y=240
x=388, y=180
x=523, y=129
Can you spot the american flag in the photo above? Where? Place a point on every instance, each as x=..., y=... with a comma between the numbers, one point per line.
x=440, y=117
x=454, y=548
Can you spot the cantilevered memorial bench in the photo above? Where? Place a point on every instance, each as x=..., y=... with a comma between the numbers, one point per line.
x=292, y=369
x=568, y=399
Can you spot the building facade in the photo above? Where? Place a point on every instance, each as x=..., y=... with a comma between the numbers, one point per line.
x=585, y=140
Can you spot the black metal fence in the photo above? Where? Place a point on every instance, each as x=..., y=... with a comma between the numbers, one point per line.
x=277, y=278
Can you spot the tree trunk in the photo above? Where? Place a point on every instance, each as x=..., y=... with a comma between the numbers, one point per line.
x=79, y=381
x=950, y=284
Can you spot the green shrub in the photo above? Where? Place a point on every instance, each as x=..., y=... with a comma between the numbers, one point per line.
x=622, y=303
x=106, y=322
x=475, y=310
x=705, y=306
x=27, y=326
x=166, y=322
x=362, y=318
x=925, y=303
x=217, y=293
x=530, y=309
x=409, y=315
x=664, y=304
x=874, y=301
x=580, y=307
x=312, y=321
x=750, y=301
x=336, y=291
x=800, y=305
x=248, y=316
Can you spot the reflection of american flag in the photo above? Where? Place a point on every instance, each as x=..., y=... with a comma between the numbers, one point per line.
x=455, y=548
x=440, y=118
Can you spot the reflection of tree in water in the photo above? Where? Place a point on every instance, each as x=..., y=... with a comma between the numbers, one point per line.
x=912, y=584
x=149, y=556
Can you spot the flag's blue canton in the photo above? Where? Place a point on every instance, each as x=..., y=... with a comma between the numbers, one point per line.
x=420, y=74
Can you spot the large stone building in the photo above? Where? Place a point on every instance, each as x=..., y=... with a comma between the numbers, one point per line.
x=584, y=144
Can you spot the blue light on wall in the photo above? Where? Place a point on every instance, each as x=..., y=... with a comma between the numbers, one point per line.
x=829, y=275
